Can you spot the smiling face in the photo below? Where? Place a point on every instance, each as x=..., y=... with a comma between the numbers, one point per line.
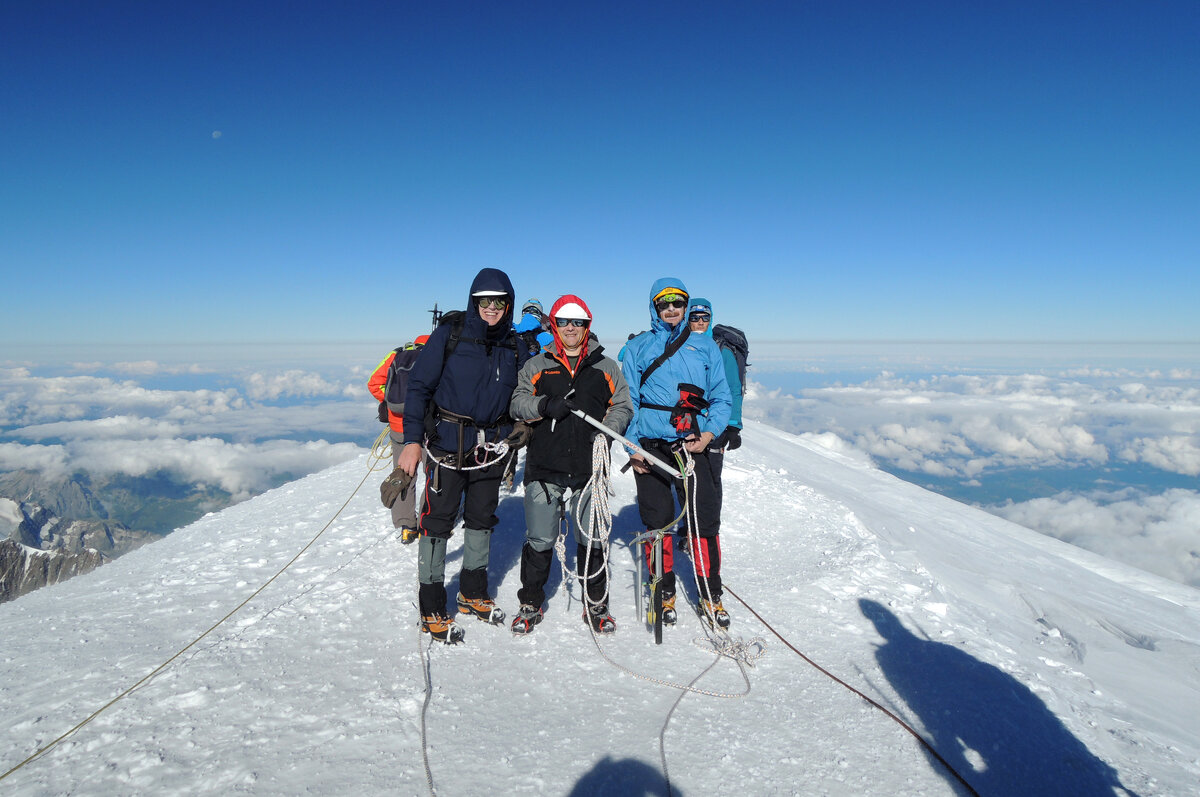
x=572, y=338
x=491, y=309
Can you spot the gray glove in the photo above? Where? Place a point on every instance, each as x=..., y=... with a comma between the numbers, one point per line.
x=395, y=486
x=519, y=438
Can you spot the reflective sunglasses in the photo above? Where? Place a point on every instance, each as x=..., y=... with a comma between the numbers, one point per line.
x=670, y=300
x=699, y=317
x=571, y=322
x=492, y=301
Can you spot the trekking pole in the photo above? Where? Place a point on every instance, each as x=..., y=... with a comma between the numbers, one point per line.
x=653, y=460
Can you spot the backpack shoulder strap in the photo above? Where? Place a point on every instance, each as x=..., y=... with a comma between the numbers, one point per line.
x=671, y=348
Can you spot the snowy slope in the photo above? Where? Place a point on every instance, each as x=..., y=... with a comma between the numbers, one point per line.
x=1033, y=667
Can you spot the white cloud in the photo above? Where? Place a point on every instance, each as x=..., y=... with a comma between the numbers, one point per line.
x=112, y=428
x=1173, y=453
x=1157, y=533
x=27, y=400
x=240, y=468
x=153, y=367
x=967, y=423
x=215, y=437
x=294, y=383
x=51, y=460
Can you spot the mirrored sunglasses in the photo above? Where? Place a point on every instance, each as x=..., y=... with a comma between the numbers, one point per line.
x=499, y=302
x=699, y=317
x=571, y=322
x=670, y=300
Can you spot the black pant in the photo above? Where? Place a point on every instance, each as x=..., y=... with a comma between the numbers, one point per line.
x=656, y=504
x=535, y=571
x=477, y=491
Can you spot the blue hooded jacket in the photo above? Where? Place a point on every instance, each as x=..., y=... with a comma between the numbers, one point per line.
x=698, y=362
x=731, y=368
x=476, y=380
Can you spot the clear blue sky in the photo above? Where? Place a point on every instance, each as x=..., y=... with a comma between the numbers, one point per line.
x=258, y=171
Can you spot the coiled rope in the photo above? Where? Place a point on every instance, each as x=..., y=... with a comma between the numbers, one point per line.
x=598, y=524
x=42, y=751
x=601, y=518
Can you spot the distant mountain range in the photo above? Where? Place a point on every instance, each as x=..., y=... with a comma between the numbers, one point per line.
x=53, y=529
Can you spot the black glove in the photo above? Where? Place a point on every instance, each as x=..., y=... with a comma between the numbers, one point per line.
x=519, y=438
x=733, y=436
x=383, y=416
x=395, y=486
x=555, y=407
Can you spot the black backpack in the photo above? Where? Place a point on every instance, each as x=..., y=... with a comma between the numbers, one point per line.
x=455, y=319
x=734, y=340
x=397, y=376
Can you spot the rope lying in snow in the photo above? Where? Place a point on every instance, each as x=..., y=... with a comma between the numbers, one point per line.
x=662, y=734
x=373, y=466
x=426, y=670
x=928, y=747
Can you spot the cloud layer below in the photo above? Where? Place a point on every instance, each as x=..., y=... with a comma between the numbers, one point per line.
x=272, y=426
x=965, y=427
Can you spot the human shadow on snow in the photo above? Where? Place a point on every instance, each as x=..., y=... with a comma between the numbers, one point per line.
x=996, y=733
x=626, y=776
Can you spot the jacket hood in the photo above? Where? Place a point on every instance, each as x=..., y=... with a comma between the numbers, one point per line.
x=705, y=305
x=658, y=287
x=496, y=281
x=570, y=306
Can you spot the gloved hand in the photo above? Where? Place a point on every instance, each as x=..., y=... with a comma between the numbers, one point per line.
x=554, y=407
x=396, y=485
x=734, y=437
x=383, y=416
x=519, y=437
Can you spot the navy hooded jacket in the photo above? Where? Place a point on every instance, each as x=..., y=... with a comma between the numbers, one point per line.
x=476, y=380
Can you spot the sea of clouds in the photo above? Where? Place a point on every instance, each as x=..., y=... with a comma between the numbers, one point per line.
x=997, y=427
x=264, y=424
x=996, y=423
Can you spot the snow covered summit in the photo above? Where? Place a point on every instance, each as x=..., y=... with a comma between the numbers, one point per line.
x=1031, y=667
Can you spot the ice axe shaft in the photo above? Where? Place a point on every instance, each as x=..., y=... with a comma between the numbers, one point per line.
x=653, y=460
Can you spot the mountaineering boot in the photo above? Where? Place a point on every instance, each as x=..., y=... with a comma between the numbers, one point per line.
x=599, y=619
x=669, y=616
x=526, y=619
x=442, y=628
x=408, y=535
x=483, y=608
x=714, y=612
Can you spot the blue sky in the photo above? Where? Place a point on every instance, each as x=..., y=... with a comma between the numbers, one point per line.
x=231, y=171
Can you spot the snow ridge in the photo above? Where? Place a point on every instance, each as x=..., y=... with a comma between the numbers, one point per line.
x=1030, y=668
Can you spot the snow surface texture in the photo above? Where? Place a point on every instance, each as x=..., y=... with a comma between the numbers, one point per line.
x=1033, y=667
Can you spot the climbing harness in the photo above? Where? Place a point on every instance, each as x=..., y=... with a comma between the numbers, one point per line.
x=373, y=465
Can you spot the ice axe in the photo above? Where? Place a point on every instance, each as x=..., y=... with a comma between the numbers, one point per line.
x=653, y=460
x=653, y=538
